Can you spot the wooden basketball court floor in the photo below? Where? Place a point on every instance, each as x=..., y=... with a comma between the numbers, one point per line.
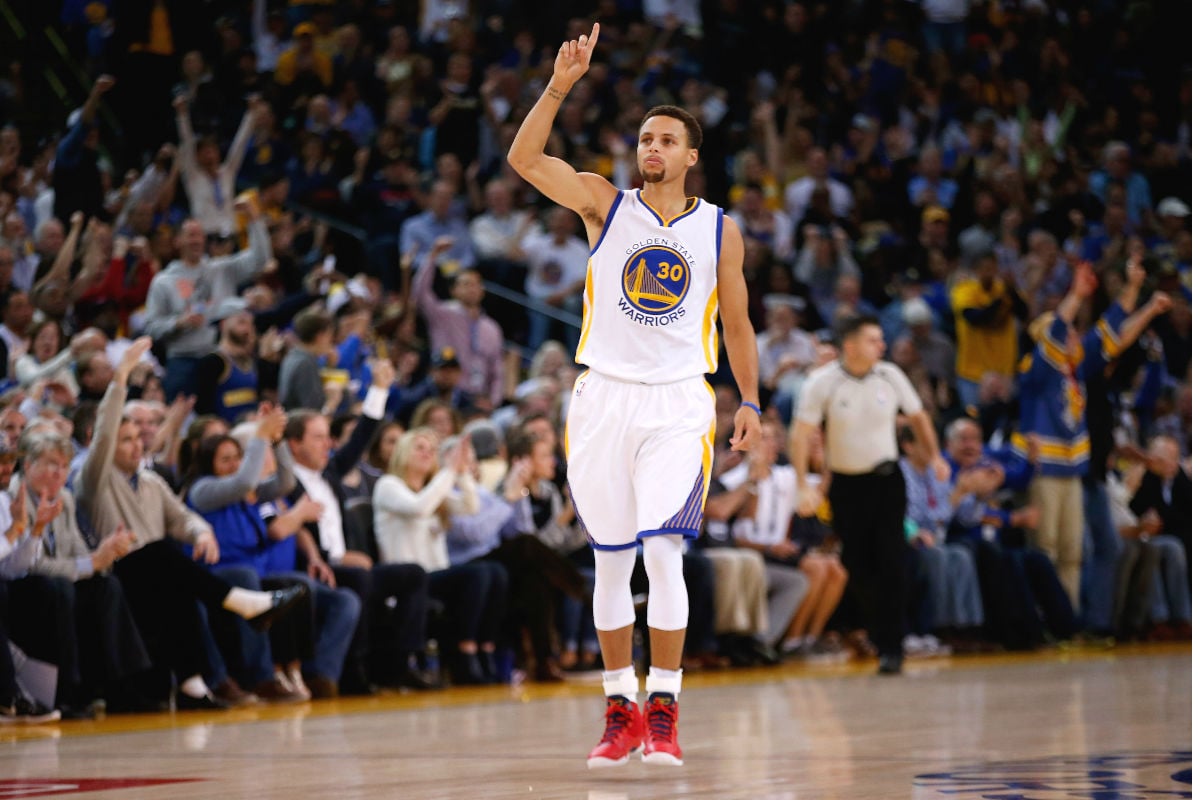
x=1107, y=725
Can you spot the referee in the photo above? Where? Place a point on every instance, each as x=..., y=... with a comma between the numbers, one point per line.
x=858, y=398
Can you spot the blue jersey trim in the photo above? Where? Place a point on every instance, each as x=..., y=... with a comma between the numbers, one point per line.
x=720, y=231
x=611, y=547
x=687, y=533
x=612, y=212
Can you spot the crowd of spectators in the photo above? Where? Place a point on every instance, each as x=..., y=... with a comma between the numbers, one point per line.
x=303, y=206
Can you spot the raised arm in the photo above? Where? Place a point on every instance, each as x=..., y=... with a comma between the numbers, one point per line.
x=585, y=193
x=394, y=495
x=740, y=343
x=61, y=267
x=108, y=423
x=212, y=493
x=186, y=153
x=241, y=139
x=383, y=376
x=245, y=266
x=70, y=149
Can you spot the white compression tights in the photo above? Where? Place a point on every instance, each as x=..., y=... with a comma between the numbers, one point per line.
x=612, y=603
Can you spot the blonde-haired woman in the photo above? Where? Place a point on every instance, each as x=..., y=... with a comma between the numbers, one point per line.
x=412, y=504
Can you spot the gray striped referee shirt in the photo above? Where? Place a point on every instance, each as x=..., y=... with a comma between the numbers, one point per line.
x=859, y=413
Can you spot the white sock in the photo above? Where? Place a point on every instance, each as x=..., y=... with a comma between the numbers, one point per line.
x=194, y=687
x=621, y=683
x=246, y=603
x=808, y=640
x=791, y=643
x=664, y=681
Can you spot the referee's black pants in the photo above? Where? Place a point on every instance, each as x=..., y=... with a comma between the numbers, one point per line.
x=868, y=516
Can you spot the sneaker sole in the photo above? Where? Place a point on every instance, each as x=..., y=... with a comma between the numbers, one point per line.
x=606, y=763
x=662, y=759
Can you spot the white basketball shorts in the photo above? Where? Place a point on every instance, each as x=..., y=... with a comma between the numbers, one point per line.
x=639, y=457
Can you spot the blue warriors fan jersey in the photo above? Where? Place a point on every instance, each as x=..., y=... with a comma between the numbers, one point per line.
x=650, y=299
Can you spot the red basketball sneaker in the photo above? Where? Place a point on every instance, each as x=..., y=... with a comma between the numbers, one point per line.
x=662, y=720
x=624, y=730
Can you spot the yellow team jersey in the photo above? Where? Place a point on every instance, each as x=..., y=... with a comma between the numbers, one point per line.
x=650, y=299
x=981, y=350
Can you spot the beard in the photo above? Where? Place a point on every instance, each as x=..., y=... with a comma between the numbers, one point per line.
x=238, y=338
x=656, y=176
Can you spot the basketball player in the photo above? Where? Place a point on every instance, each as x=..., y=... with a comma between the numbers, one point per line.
x=641, y=424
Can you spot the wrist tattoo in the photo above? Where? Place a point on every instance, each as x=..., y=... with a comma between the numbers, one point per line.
x=556, y=94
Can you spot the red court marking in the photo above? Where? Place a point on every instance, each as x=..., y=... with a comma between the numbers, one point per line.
x=43, y=787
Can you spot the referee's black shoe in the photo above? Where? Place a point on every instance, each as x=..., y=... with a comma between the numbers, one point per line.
x=890, y=664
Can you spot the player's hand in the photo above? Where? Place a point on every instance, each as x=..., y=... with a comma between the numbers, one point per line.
x=575, y=56
x=747, y=429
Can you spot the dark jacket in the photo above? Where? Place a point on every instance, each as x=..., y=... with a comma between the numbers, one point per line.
x=341, y=462
x=1176, y=516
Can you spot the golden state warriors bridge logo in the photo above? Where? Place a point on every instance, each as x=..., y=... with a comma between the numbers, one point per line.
x=654, y=283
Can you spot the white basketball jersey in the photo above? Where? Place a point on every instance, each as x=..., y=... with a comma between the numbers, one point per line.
x=650, y=300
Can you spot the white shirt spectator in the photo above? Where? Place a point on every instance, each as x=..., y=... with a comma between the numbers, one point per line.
x=493, y=235
x=267, y=46
x=554, y=266
x=776, y=502
x=799, y=194
x=329, y=526
x=211, y=198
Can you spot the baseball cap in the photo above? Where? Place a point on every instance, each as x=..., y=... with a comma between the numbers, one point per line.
x=1173, y=207
x=916, y=312
x=305, y=29
x=935, y=214
x=229, y=307
x=446, y=357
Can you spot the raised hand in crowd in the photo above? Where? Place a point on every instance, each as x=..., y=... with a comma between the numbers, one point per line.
x=462, y=460
x=516, y=482
x=130, y=358
x=383, y=373
x=272, y=419
x=271, y=345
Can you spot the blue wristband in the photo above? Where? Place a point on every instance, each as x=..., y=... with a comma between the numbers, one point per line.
x=748, y=404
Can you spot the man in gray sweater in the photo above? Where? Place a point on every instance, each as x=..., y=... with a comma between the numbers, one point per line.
x=136, y=506
x=184, y=295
